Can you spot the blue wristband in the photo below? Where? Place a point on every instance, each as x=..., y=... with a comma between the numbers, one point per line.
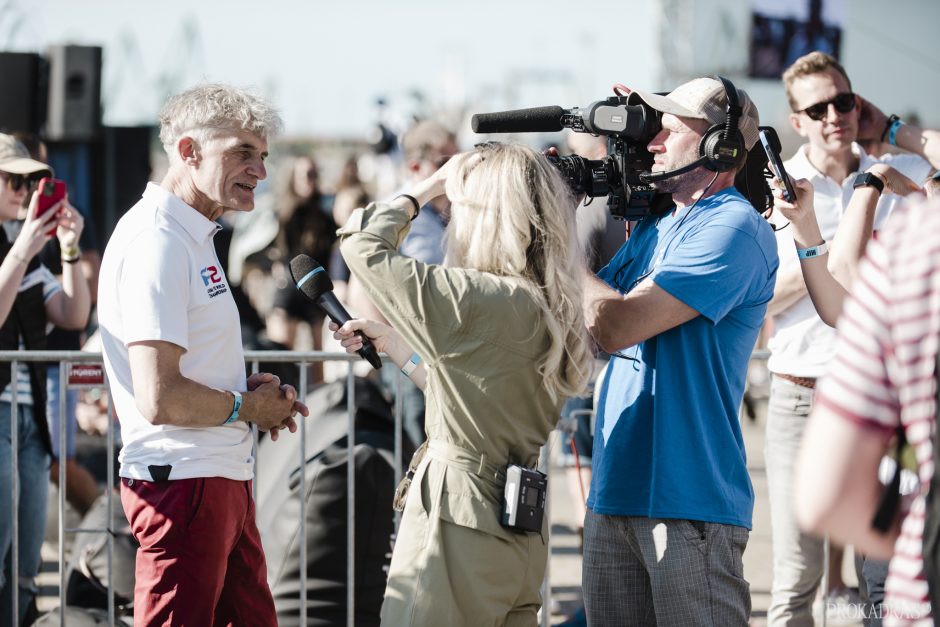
x=411, y=365
x=238, y=405
x=893, y=131
x=815, y=251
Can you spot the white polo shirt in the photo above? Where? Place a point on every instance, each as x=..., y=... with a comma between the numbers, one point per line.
x=802, y=344
x=161, y=280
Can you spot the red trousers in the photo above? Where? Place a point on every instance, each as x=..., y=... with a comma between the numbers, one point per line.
x=200, y=560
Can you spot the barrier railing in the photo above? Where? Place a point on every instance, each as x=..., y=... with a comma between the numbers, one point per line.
x=83, y=370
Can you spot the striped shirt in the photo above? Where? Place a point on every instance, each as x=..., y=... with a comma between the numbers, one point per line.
x=883, y=373
x=50, y=287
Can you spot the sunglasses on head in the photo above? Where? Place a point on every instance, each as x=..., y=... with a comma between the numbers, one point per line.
x=843, y=103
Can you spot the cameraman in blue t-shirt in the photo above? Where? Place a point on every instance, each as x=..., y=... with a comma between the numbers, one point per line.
x=679, y=307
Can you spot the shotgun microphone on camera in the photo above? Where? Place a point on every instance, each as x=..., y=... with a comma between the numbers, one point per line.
x=535, y=120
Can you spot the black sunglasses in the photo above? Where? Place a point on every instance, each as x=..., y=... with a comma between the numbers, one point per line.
x=19, y=181
x=843, y=103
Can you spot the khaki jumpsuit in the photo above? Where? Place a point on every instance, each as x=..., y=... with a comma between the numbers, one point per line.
x=480, y=337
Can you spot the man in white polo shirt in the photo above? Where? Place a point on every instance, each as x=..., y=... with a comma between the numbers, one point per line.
x=831, y=118
x=172, y=348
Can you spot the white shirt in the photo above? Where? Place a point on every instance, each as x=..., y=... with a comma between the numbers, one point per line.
x=161, y=280
x=802, y=344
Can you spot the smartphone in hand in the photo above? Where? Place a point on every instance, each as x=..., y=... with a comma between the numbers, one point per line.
x=771, y=144
x=51, y=191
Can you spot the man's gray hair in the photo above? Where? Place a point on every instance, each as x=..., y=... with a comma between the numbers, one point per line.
x=214, y=106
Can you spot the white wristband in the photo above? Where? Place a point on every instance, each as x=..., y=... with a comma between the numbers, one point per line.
x=814, y=251
x=411, y=365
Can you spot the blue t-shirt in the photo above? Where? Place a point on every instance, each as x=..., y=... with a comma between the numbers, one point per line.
x=425, y=239
x=668, y=441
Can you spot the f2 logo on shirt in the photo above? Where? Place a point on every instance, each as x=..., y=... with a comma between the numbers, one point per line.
x=210, y=275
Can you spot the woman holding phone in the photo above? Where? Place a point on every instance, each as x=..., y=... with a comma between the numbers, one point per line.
x=496, y=337
x=30, y=297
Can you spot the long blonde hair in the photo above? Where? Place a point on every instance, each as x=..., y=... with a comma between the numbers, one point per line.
x=512, y=216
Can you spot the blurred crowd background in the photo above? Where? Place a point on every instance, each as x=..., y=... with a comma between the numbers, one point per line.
x=87, y=79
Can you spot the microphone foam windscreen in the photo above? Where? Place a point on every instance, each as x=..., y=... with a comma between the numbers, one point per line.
x=535, y=120
x=309, y=276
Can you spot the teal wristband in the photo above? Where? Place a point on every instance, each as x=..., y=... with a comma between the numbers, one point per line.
x=815, y=251
x=411, y=365
x=237, y=406
x=893, y=131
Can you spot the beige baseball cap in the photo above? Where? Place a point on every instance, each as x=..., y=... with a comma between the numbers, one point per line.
x=705, y=99
x=14, y=158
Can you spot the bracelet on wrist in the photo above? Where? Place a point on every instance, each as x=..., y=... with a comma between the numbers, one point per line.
x=812, y=251
x=893, y=131
x=411, y=365
x=891, y=120
x=72, y=254
x=19, y=259
x=414, y=201
x=235, y=407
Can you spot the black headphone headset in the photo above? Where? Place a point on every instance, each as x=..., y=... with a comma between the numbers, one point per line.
x=722, y=145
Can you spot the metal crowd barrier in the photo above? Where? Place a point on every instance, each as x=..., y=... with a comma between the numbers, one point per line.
x=83, y=370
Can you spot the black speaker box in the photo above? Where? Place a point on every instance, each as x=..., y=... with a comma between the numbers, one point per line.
x=74, y=109
x=22, y=96
x=126, y=171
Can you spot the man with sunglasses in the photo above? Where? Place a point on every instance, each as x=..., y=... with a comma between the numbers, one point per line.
x=832, y=119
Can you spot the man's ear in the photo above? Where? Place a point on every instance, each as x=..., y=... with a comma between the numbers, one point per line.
x=797, y=124
x=188, y=150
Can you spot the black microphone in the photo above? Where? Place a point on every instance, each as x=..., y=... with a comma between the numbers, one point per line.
x=535, y=120
x=652, y=177
x=311, y=279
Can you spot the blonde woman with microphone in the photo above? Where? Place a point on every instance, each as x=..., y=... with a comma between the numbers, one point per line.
x=496, y=337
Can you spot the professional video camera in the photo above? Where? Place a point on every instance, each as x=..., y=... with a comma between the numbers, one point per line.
x=629, y=128
x=624, y=176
